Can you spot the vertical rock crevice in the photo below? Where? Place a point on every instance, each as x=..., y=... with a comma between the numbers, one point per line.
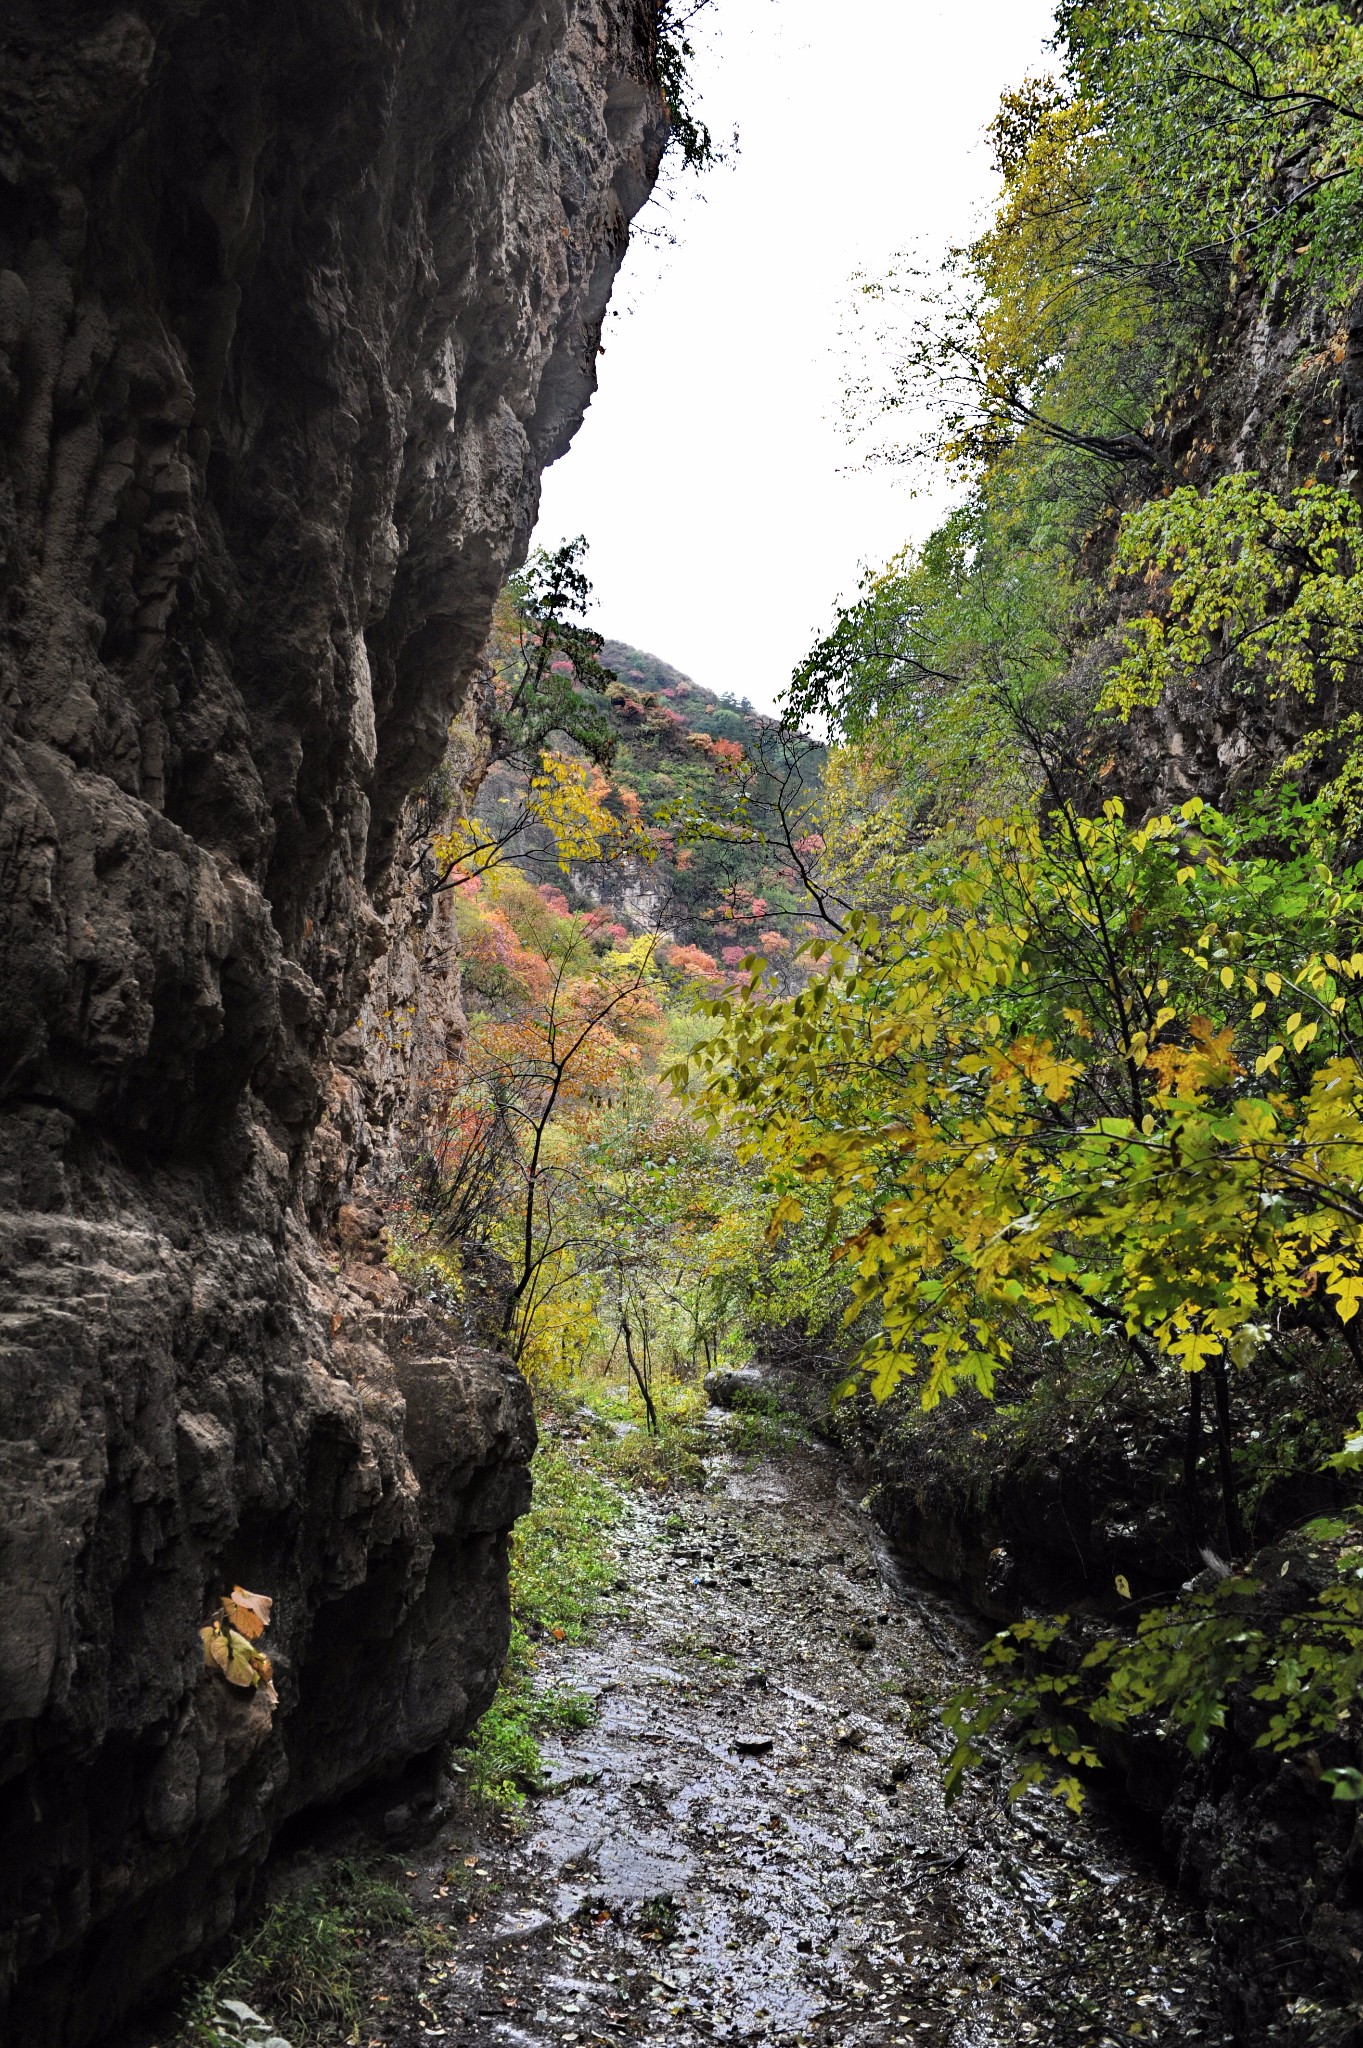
x=294, y=307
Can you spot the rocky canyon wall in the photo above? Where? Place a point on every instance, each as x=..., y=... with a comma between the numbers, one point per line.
x=295, y=304
x=1280, y=396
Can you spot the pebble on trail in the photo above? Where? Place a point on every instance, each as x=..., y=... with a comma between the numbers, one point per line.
x=749, y=1845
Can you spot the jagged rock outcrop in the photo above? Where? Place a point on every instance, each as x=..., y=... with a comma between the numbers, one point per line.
x=381, y=1112
x=294, y=307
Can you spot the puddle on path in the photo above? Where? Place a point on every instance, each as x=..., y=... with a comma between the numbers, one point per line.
x=750, y=1846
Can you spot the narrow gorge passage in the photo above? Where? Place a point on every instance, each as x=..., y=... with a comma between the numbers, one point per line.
x=749, y=1844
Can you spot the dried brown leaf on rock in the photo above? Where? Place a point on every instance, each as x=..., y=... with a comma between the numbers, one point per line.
x=249, y=1612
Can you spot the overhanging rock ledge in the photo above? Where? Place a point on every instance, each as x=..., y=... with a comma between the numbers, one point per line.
x=295, y=304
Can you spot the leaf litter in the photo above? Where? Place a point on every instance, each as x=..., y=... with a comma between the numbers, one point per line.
x=713, y=1860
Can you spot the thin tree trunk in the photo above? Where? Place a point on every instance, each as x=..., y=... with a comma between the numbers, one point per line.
x=1235, y=1528
x=640, y=1382
x=1192, y=1452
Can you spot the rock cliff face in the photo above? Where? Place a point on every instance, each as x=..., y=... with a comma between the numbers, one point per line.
x=295, y=304
x=1281, y=396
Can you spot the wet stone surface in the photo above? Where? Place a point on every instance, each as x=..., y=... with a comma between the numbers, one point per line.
x=749, y=1845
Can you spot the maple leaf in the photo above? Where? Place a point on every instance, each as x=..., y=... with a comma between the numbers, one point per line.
x=248, y=1612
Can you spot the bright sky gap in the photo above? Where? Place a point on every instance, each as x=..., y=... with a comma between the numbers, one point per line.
x=713, y=476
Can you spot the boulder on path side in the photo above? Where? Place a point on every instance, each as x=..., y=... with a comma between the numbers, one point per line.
x=734, y=1386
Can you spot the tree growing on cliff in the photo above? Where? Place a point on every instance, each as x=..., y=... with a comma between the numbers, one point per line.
x=674, y=54
x=1178, y=147
x=546, y=723
x=1240, y=129
x=1187, y=1667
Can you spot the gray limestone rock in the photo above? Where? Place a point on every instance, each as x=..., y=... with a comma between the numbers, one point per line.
x=294, y=307
x=240, y=2027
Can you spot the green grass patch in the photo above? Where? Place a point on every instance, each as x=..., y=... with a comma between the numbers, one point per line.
x=561, y=1568
x=670, y=1459
x=760, y=1425
x=302, y=1965
x=561, y=1564
x=698, y=1650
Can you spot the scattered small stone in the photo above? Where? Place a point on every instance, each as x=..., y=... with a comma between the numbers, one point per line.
x=245, y=2028
x=753, y=1745
x=553, y=1782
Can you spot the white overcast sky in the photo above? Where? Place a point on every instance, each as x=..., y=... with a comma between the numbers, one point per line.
x=712, y=476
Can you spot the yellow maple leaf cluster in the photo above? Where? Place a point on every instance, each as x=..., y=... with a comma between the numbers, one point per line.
x=1101, y=1080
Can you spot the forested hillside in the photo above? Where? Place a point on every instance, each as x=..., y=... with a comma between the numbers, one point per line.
x=705, y=801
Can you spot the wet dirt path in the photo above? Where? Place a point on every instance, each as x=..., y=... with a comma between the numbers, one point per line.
x=749, y=1845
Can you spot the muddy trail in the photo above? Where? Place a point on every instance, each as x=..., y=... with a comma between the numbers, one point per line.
x=749, y=1844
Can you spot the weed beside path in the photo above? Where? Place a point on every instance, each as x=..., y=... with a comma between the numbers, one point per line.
x=749, y=1845
x=739, y=1833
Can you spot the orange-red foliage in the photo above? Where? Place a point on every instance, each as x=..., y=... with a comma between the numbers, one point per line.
x=691, y=963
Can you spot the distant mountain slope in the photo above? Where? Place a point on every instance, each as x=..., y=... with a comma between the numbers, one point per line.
x=643, y=671
x=673, y=735
x=676, y=746
x=700, y=710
